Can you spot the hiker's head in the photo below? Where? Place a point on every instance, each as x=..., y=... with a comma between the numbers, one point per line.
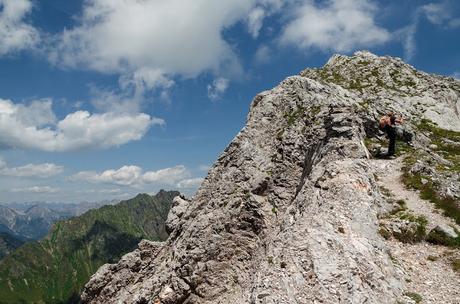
x=390, y=114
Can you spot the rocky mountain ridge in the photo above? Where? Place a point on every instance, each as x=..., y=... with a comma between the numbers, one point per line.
x=291, y=211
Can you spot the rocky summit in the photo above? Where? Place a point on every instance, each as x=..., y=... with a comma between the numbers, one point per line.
x=298, y=210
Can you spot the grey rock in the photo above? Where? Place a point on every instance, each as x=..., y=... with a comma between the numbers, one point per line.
x=447, y=230
x=442, y=235
x=421, y=168
x=404, y=230
x=178, y=208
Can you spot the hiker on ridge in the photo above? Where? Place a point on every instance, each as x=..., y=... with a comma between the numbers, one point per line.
x=388, y=125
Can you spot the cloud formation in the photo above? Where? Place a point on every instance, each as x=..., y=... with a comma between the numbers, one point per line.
x=262, y=54
x=192, y=183
x=134, y=176
x=255, y=21
x=35, y=126
x=143, y=42
x=407, y=36
x=337, y=25
x=36, y=189
x=102, y=191
x=31, y=170
x=150, y=42
x=217, y=88
x=120, y=36
x=439, y=14
x=15, y=33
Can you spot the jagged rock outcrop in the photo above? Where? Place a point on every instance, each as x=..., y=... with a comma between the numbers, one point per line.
x=288, y=213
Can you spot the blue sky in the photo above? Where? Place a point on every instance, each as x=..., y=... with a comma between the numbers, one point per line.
x=102, y=99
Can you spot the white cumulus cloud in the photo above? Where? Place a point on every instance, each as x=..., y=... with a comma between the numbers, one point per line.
x=131, y=94
x=150, y=42
x=102, y=191
x=262, y=10
x=125, y=176
x=204, y=168
x=338, y=25
x=217, y=88
x=442, y=14
x=15, y=33
x=134, y=176
x=166, y=176
x=255, y=21
x=408, y=40
x=109, y=191
x=191, y=183
x=170, y=36
x=36, y=189
x=35, y=126
x=262, y=54
x=31, y=170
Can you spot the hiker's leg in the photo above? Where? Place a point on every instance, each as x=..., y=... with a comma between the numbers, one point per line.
x=392, y=144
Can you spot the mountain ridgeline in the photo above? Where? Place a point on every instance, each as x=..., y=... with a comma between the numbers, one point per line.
x=32, y=224
x=32, y=221
x=290, y=211
x=54, y=269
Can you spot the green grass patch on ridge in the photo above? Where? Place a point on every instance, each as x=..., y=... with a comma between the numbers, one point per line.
x=429, y=189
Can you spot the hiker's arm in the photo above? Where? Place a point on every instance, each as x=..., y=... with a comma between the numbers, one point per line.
x=399, y=120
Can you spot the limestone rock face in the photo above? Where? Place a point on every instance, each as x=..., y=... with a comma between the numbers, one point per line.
x=288, y=213
x=178, y=209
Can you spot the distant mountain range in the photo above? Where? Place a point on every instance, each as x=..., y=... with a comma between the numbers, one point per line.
x=64, y=209
x=55, y=269
x=32, y=221
x=31, y=224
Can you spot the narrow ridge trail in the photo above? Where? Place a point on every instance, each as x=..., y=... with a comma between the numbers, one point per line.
x=426, y=268
x=389, y=173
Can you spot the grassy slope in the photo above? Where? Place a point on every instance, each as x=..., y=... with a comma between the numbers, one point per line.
x=55, y=269
x=447, y=146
